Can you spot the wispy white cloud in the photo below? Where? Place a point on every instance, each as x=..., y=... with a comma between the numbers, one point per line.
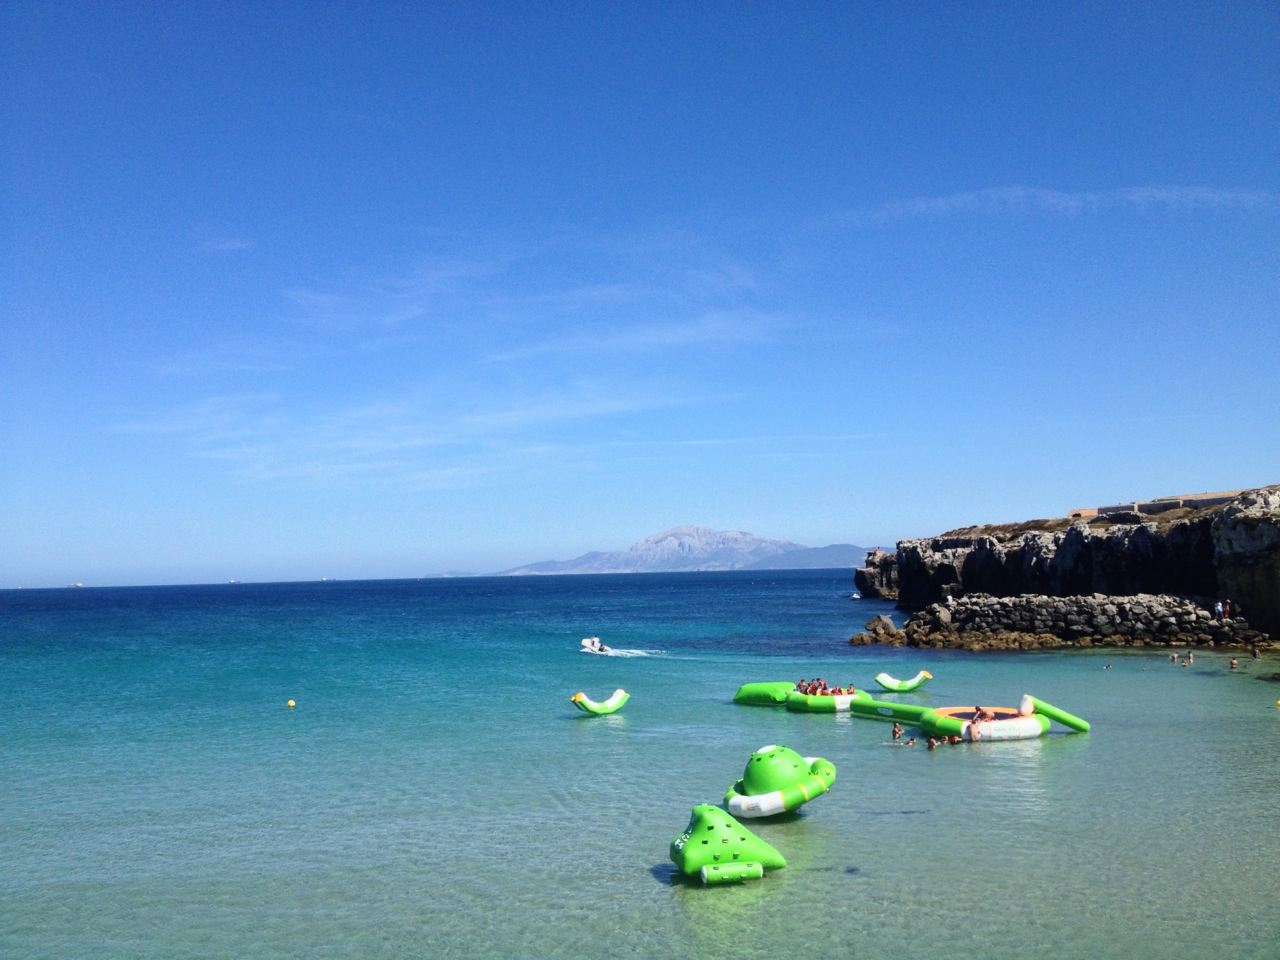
x=548, y=300
x=464, y=367
x=388, y=301
x=263, y=436
x=583, y=400
x=721, y=328
x=226, y=359
x=325, y=301
x=226, y=245
x=995, y=200
x=1025, y=200
x=399, y=441
x=212, y=417
x=1196, y=198
x=770, y=441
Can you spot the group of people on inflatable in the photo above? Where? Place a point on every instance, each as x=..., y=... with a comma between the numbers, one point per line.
x=818, y=688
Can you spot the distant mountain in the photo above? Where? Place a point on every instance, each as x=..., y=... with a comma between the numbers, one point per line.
x=816, y=558
x=700, y=548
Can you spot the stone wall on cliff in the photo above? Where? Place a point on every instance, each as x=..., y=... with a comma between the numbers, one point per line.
x=1230, y=551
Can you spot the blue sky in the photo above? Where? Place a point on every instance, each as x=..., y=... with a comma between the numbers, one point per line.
x=383, y=290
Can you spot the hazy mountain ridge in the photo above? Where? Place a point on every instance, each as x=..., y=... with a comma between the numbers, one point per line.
x=691, y=548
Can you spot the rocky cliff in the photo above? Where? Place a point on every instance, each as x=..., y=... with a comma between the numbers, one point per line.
x=1229, y=551
x=1246, y=556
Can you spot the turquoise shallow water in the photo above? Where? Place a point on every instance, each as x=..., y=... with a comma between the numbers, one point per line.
x=434, y=793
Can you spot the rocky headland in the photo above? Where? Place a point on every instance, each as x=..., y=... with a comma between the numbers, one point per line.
x=1140, y=574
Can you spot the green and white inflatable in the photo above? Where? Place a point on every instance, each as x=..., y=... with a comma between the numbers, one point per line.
x=776, y=780
x=613, y=704
x=768, y=694
x=1030, y=704
x=903, y=686
x=798, y=702
x=719, y=849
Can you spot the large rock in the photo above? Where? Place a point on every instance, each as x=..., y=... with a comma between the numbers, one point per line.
x=878, y=578
x=1246, y=541
x=1083, y=559
x=879, y=624
x=1224, y=551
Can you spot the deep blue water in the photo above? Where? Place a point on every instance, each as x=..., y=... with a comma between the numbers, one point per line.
x=434, y=793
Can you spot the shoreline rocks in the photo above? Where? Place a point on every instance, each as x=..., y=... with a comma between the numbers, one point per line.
x=1038, y=622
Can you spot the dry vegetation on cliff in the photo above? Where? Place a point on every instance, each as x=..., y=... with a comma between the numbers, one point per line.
x=1006, y=532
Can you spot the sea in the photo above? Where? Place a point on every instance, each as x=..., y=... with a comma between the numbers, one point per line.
x=388, y=769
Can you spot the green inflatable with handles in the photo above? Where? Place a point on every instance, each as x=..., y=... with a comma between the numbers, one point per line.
x=777, y=780
x=719, y=849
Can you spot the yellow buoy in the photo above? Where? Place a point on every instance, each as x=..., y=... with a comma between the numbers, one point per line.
x=289, y=704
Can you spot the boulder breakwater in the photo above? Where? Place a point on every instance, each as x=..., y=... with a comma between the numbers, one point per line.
x=1120, y=578
x=1035, y=622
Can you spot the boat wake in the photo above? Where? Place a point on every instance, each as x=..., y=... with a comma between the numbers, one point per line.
x=617, y=652
x=594, y=646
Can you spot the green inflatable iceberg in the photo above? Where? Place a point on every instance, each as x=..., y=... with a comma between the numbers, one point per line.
x=778, y=779
x=719, y=849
